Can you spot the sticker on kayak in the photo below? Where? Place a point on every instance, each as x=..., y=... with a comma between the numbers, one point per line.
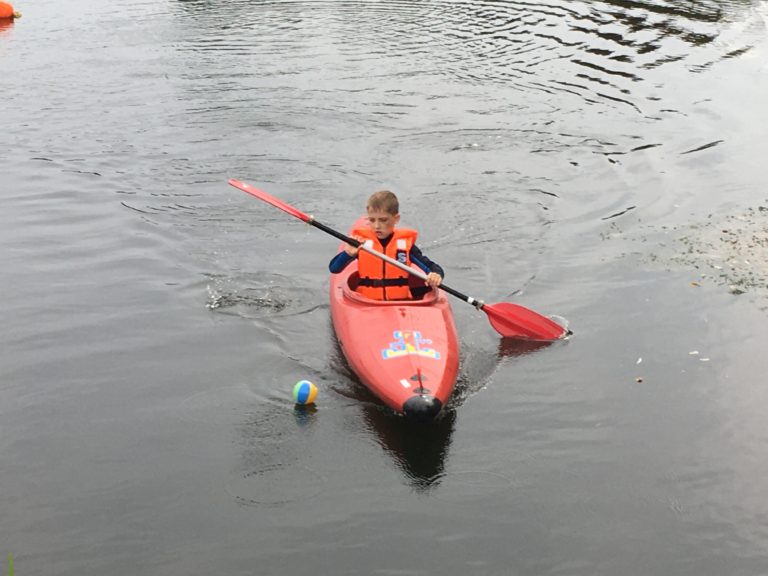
x=409, y=342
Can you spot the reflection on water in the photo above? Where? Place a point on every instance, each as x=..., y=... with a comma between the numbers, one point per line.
x=305, y=415
x=419, y=450
x=5, y=25
x=513, y=347
x=598, y=51
x=572, y=91
x=272, y=471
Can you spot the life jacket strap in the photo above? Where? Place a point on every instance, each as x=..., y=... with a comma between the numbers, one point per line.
x=382, y=282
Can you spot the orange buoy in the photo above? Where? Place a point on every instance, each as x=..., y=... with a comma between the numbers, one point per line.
x=7, y=12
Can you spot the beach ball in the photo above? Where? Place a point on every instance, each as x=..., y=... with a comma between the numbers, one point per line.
x=304, y=392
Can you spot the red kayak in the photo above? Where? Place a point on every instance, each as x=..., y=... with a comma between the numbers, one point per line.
x=405, y=351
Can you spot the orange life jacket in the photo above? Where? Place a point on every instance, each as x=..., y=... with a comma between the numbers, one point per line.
x=378, y=279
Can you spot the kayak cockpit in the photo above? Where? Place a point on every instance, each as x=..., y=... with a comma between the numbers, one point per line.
x=423, y=296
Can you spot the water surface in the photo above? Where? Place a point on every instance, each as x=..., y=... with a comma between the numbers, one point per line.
x=579, y=158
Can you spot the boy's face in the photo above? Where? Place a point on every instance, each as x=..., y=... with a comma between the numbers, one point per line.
x=382, y=222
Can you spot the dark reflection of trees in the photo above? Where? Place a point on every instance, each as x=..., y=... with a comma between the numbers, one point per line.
x=633, y=12
x=706, y=11
x=418, y=449
x=608, y=41
x=701, y=11
x=635, y=17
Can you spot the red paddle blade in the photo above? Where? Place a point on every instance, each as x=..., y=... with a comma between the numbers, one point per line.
x=261, y=195
x=513, y=321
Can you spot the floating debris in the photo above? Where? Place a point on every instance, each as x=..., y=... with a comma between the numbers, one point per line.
x=729, y=251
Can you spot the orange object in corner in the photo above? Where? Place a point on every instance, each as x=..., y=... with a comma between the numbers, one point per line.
x=7, y=12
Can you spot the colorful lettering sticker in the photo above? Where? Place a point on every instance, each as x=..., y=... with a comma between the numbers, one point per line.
x=409, y=342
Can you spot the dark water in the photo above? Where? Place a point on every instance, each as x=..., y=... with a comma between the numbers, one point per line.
x=550, y=153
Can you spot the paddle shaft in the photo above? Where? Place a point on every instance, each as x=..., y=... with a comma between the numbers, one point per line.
x=418, y=273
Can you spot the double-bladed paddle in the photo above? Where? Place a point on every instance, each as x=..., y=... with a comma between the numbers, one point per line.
x=509, y=320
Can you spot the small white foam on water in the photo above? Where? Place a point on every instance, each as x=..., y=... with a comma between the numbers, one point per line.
x=214, y=298
x=241, y=295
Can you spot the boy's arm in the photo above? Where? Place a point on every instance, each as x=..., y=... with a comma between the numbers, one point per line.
x=339, y=262
x=427, y=265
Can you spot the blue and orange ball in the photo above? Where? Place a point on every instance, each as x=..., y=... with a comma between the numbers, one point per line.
x=304, y=392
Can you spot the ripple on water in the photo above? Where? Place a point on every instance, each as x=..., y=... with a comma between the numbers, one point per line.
x=609, y=47
x=202, y=406
x=275, y=485
x=465, y=485
x=561, y=72
x=274, y=440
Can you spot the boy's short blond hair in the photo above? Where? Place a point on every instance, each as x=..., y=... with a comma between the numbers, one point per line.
x=384, y=200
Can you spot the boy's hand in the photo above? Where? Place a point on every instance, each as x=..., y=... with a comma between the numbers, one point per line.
x=433, y=279
x=351, y=250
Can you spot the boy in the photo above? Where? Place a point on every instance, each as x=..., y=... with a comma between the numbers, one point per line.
x=379, y=280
